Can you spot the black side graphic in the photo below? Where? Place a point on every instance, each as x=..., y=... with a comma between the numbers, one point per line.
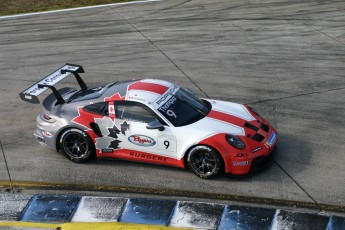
x=113, y=132
x=124, y=127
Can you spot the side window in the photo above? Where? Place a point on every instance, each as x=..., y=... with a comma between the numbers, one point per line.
x=97, y=108
x=134, y=111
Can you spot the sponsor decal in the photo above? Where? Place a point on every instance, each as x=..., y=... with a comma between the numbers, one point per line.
x=166, y=106
x=71, y=130
x=240, y=163
x=136, y=98
x=40, y=139
x=49, y=80
x=148, y=156
x=256, y=149
x=271, y=140
x=141, y=140
x=167, y=94
x=107, y=150
x=241, y=155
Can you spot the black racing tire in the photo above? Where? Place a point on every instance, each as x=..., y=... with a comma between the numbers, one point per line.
x=205, y=162
x=77, y=146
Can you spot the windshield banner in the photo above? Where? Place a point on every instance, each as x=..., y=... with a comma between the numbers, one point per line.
x=166, y=96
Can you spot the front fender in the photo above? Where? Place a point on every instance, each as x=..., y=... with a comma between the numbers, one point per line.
x=219, y=143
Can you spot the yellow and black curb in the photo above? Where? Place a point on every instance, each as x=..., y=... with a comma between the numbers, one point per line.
x=20, y=185
x=90, y=212
x=86, y=226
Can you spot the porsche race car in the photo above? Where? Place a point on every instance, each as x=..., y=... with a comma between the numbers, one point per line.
x=151, y=121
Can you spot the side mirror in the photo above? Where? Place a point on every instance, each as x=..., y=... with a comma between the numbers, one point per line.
x=155, y=125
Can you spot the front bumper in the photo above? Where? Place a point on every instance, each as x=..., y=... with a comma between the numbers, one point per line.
x=262, y=162
x=258, y=163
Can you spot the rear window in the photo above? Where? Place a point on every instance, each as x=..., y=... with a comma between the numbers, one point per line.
x=88, y=94
x=100, y=108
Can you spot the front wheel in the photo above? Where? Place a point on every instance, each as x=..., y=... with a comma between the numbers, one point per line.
x=204, y=161
x=77, y=146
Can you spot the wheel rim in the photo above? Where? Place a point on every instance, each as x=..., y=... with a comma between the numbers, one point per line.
x=203, y=162
x=75, y=145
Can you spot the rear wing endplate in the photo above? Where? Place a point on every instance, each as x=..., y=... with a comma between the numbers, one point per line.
x=31, y=94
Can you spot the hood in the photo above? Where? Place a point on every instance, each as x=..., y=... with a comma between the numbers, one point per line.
x=225, y=117
x=237, y=110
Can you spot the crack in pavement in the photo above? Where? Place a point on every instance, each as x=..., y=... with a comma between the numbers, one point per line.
x=8, y=171
x=297, y=95
x=293, y=96
x=321, y=32
x=162, y=52
x=285, y=171
x=300, y=186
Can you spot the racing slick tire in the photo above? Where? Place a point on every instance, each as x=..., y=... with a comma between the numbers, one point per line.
x=77, y=146
x=204, y=161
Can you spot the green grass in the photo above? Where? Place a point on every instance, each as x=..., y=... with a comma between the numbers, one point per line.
x=8, y=7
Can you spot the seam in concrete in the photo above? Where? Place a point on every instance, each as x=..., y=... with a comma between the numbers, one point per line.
x=300, y=186
x=8, y=171
x=297, y=95
x=319, y=31
x=161, y=51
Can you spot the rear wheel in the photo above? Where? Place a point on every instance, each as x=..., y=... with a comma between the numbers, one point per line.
x=204, y=161
x=77, y=146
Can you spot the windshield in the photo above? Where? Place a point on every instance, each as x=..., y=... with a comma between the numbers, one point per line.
x=183, y=108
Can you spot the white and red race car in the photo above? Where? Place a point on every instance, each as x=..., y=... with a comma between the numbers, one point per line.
x=152, y=121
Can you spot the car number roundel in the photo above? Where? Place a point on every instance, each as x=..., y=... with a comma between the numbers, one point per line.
x=141, y=140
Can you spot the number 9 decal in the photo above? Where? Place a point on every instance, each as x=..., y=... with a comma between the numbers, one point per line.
x=171, y=113
x=166, y=144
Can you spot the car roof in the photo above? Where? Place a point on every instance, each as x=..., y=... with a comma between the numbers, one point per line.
x=145, y=91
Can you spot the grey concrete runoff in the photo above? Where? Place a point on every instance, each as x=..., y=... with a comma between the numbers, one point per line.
x=285, y=58
x=185, y=214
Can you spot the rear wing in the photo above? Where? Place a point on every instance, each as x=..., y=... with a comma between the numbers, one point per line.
x=31, y=94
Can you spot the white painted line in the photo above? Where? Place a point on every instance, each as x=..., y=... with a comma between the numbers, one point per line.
x=78, y=8
x=275, y=222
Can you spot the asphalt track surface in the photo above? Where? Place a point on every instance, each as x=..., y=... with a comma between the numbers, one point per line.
x=285, y=58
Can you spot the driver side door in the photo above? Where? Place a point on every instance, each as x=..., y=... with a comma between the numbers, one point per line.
x=142, y=143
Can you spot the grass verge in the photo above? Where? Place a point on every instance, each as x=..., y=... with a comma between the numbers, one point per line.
x=9, y=7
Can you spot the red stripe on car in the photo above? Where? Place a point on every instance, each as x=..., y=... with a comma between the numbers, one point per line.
x=150, y=87
x=228, y=118
x=136, y=155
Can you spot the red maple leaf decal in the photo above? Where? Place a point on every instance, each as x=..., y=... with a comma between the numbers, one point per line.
x=85, y=118
x=115, y=97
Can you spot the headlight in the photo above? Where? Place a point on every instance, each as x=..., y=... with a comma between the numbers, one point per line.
x=235, y=141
